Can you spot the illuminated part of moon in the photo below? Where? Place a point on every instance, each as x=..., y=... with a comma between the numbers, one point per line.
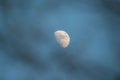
x=62, y=38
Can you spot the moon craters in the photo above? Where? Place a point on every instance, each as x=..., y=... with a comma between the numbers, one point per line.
x=62, y=38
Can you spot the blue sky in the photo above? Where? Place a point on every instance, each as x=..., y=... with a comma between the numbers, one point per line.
x=29, y=50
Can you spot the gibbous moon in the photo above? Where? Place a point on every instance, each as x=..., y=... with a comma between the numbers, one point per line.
x=62, y=38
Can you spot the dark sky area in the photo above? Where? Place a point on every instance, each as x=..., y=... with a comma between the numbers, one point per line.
x=29, y=51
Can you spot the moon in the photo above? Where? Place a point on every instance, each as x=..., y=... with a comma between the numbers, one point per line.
x=62, y=38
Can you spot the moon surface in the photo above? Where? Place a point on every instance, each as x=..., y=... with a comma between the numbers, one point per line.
x=62, y=38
